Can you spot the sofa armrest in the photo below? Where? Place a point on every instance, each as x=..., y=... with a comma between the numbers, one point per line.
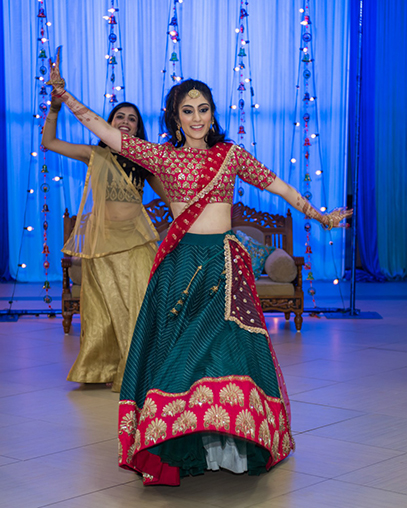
x=299, y=263
x=66, y=263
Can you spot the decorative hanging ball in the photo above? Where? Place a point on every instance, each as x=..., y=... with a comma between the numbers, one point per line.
x=311, y=291
x=112, y=38
x=44, y=169
x=47, y=299
x=308, y=250
x=308, y=195
x=45, y=208
x=306, y=58
x=41, y=13
x=307, y=177
x=242, y=52
x=43, y=70
x=112, y=60
x=306, y=37
x=307, y=74
x=46, y=265
x=241, y=87
x=241, y=130
x=307, y=142
x=44, y=187
x=46, y=285
x=174, y=57
x=112, y=20
x=45, y=225
x=306, y=117
x=240, y=191
x=42, y=54
x=307, y=227
x=241, y=104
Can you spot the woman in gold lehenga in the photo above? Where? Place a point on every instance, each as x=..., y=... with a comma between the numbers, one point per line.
x=117, y=243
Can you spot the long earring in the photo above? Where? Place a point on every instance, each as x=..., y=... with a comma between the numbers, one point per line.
x=178, y=134
x=212, y=124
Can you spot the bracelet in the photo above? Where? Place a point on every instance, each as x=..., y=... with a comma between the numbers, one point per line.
x=330, y=224
x=59, y=95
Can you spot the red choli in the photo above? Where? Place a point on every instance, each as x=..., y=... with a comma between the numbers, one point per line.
x=179, y=168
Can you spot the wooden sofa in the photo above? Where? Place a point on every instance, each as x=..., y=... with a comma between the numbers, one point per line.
x=273, y=230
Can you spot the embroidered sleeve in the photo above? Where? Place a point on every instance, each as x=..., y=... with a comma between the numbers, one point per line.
x=147, y=155
x=252, y=171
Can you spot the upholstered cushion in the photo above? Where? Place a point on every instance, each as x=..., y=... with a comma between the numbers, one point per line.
x=258, y=252
x=280, y=266
x=266, y=287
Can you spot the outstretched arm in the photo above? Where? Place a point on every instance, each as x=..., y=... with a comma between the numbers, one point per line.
x=51, y=142
x=294, y=198
x=93, y=122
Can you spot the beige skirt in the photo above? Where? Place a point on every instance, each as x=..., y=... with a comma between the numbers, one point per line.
x=112, y=292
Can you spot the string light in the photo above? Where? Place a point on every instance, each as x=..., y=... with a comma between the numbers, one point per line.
x=22, y=265
x=29, y=228
x=174, y=40
x=242, y=83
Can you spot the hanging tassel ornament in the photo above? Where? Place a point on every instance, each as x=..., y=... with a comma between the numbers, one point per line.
x=214, y=289
x=179, y=305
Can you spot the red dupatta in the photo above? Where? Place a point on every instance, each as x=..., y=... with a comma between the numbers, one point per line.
x=210, y=175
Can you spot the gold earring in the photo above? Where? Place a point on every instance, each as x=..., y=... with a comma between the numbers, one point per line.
x=178, y=134
x=212, y=122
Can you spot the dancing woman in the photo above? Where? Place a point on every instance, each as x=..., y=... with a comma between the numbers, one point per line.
x=202, y=387
x=117, y=243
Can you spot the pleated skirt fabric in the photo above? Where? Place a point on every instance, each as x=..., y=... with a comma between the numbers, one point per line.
x=199, y=391
x=112, y=292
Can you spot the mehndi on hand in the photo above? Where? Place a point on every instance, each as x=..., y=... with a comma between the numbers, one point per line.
x=55, y=79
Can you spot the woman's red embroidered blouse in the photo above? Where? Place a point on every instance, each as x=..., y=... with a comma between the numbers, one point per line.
x=179, y=168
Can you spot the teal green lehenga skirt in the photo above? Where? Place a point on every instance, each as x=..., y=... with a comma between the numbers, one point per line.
x=199, y=392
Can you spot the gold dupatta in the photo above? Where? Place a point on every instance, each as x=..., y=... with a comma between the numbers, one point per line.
x=111, y=216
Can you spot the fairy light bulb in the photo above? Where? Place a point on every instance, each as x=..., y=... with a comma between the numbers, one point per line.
x=297, y=124
x=236, y=69
x=22, y=265
x=336, y=281
x=233, y=106
x=34, y=154
x=57, y=178
x=237, y=30
x=257, y=106
x=30, y=191
x=48, y=23
x=29, y=228
x=323, y=208
x=301, y=10
x=107, y=57
x=293, y=160
x=318, y=172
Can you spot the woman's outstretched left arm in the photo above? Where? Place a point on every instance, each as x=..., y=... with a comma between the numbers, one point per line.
x=293, y=197
x=93, y=122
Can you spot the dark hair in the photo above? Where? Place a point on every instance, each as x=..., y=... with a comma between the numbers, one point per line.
x=170, y=117
x=141, y=132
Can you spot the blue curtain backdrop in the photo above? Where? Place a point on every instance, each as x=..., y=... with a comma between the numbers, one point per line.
x=4, y=250
x=382, y=231
x=208, y=52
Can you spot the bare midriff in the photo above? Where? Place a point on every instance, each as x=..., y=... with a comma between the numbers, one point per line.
x=215, y=219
